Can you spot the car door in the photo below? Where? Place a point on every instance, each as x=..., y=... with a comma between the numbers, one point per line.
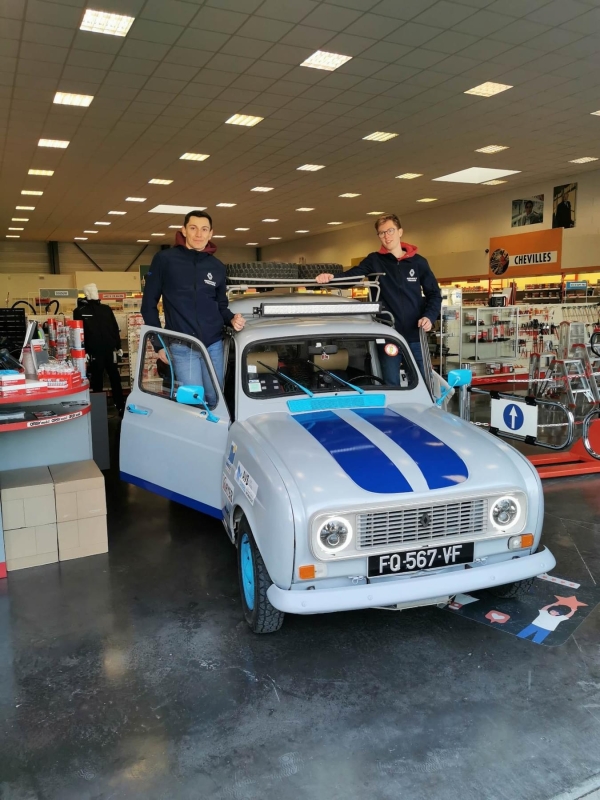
x=167, y=447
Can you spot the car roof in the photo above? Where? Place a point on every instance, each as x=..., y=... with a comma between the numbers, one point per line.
x=248, y=302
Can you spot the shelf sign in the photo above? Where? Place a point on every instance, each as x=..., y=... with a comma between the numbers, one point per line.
x=523, y=254
x=57, y=294
x=112, y=295
x=509, y=416
x=577, y=285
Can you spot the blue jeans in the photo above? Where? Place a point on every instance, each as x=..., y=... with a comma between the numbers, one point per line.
x=390, y=365
x=539, y=634
x=191, y=368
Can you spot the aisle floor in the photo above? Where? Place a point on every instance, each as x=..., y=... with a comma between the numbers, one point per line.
x=133, y=675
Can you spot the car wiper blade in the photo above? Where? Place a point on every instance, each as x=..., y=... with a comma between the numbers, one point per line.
x=336, y=377
x=286, y=378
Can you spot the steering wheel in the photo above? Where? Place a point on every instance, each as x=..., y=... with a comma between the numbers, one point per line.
x=367, y=375
x=595, y=343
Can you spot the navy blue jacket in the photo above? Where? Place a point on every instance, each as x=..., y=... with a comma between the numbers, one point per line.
x=193, y=288
x=409, y=289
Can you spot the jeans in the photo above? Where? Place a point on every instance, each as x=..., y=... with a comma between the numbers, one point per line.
x=539, y=634
x=191, y=368
x=390, y=365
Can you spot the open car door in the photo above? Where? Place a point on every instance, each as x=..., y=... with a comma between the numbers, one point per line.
x=173, y=448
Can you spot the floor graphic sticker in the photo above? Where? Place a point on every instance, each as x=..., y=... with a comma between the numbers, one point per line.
x=548, y=615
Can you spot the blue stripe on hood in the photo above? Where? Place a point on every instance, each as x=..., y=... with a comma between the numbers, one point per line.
x=360, y=459
x=440, y=465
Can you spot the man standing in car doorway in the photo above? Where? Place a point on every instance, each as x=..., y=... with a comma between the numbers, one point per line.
x=409, y=290
x=192, y=284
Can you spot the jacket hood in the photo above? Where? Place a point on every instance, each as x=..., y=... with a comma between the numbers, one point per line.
x=211, y=247
x=409, y=250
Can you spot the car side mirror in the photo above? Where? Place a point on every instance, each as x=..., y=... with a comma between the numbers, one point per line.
x=194, y=396
x=460, y=377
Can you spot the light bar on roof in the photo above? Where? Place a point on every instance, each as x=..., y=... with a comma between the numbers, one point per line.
x=316, y=309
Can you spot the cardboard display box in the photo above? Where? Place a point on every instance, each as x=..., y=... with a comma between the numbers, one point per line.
x=27, y=498
x=31, y=547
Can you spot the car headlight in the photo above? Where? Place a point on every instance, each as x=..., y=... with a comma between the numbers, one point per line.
x=335, y=534
x=505, y=512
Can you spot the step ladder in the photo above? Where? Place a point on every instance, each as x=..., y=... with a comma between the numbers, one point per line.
x=568, y=375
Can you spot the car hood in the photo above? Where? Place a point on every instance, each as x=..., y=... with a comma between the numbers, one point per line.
x=400, y=452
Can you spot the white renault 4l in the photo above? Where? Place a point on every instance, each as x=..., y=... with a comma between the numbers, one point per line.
x=339, y=492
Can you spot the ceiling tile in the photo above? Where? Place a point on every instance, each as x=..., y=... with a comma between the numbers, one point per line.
x=454, y=65
x=397, y=73
x=12, y=9
x=361, y=66
x=554, y=39
x=230, y=63
x=30, y=67
x=43, y=52
x=587, y=23
x=407, y=9
x=47, y=13
x=47, y=34
x=204, y=90
x=252, y=83
x=321, y=93
x=174, y=12
x=219, y=20
x=85, y=40
x=413, y=35
x=81, y=58
x=421, y=58
x=359, y=5
x=519, y=32
x=485, y=49
x=159, y=32
x=374, y=26
x=124, y=79
x=242, y=46
x=483, y=23
x=334, y=18
x=202, y=40
x=188, y=57
x=388, y=52
x=232, y=5
x=557, y=12
x=214, y=78
x=268, y=30
x=337, y=80
x=268, y=69
x=9, y=47
x=515, y=57
x=444, y=14
x=517, y=8
x=287, y=10
x=349, y=45
x=286, y=54
x=84, y=74
x=303, y=36
x=170, y=86
x=450, y=42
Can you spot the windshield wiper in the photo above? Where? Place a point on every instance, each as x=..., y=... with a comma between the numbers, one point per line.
x=286, y=377
x=336, y=377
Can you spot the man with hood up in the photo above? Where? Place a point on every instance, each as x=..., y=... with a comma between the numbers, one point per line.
x=409, y=290
x=192, y=284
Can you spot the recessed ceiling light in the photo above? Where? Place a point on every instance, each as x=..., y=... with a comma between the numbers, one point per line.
x=584, y=160
x=488, y=89
x=135, y=199
x=324, y=60
x=252, y=244
x=380, y=136
x=13, y=236
x=31, y=192
x=219, y=236
x=349, y=194
x=595, y=113
x=305, y=209
x=20, y=219
x=102, y=22
x=427, y=200
x=274, y=237
x=302, y=231
x=160, y=181
x=118, y=213
x=476, y=175
x=243, y=119
x=375, y=213
x=68, y=99
x=46, y=173
x=491, y=148
x=90, y=231
x=102, y=223
x=311, y=167
x=226, y=205
x=194, y=157
x=270, y=220
x=262, y=189
x=144, y=241
x=165, y=208
x=60, y=143
x=80, y=238
x=409, y=176
x=157, y=234
x=16, y=229
x=175, y=226
x=493, y=183
x=25, y=208
x=335, y=223
x=242, y=229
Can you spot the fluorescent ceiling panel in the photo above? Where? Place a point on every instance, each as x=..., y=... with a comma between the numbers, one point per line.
x=380, y=136
x=60, y=143
x=584, y=160
x=167, y=209
x=409, y=176
x=321, y=59
x=160, y=181
x=68, y=99
x=194, y=157
x=476, y=175
x=46, y=173
x=135, y=199
x=350, y=194
x=262, y=189
x=491, y=148
x=102, y=22
x=311, y=167
x=243, y=119
x=488, y=89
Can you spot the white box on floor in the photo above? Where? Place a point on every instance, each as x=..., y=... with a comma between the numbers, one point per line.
x=31, y=547
x=27, y=498
x=82, y=537
x=79, y=488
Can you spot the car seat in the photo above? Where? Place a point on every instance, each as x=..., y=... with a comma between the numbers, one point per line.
x=335, y=362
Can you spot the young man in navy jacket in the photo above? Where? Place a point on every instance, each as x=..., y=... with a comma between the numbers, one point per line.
x=192, y=284
x=409, y=290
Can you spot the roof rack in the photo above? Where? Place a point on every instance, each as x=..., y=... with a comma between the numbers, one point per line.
x=282, y=283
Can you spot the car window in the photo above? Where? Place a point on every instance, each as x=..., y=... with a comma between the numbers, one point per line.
x=367, y=362
x=185, y=365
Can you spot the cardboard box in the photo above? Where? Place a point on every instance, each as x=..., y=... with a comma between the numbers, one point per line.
x=27, y=497
x=82, y=537
x=31, y=547
x=76, y=476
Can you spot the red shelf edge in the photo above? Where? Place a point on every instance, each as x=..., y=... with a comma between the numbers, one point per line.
x=47, y=394
x=32, y=424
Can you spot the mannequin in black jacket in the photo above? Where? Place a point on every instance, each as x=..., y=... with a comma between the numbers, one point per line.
x=102, y=339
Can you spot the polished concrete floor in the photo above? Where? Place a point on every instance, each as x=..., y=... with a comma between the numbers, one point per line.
x=133, y=675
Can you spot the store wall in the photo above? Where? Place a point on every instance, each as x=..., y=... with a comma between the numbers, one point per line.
x=454, y=237
x=24, y=257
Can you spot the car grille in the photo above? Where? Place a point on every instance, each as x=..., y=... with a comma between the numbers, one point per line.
x=426, y=523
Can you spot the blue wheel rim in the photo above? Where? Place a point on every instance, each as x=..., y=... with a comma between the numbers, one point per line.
x=247, y=562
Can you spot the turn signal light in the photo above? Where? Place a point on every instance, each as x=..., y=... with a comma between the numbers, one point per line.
x=520, y=542
x=307, y=572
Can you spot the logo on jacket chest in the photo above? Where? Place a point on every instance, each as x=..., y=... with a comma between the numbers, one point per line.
x=411, y=276
x=209, y=280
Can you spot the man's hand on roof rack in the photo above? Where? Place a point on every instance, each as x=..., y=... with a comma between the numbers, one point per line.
x=238, y=322
x=324, y=277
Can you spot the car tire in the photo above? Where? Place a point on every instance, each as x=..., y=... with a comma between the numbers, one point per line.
x=260, y=615
x=512, y=591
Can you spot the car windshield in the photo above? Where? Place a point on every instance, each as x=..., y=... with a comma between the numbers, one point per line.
x=295, y=366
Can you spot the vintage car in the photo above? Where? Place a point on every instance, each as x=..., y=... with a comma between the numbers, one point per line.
x=339, y=492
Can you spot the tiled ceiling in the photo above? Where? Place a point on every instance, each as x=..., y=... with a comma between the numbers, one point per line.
x=187, y=65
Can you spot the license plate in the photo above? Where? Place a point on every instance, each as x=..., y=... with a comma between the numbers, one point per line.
x=416, y=560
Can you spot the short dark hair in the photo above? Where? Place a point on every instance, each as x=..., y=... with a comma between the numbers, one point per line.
x=562, y=609
x=529, y=203
x=197, y=213
x=387, y=218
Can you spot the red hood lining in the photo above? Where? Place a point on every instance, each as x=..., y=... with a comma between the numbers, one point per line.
x=210, y=248
x=409, y=250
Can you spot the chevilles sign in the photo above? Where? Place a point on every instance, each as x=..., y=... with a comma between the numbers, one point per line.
x=536, y=253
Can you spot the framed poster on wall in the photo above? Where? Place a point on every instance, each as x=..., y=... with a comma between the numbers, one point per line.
x=527, y=211
x=564, y=206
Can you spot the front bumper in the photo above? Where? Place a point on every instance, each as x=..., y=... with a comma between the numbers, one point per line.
x=419, y=587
